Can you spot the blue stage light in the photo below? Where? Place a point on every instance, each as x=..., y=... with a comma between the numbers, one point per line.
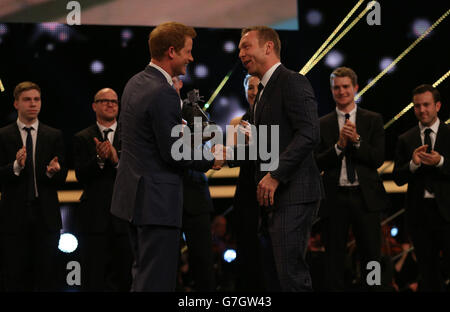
x=67, y=243
x=229, y=255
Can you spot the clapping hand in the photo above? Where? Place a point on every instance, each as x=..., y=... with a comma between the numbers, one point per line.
x=53, y=167
x=105, y=150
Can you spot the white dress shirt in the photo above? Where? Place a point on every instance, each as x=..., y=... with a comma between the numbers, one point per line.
x=23, y=134
x=343, y=179
x=111, y=134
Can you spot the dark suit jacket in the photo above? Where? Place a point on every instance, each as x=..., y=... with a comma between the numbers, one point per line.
x=196, y=196
x=148, y=188
x=94, y=214
x=13, y=211
x=407, y=143
x=366, y=159
x=288, y=102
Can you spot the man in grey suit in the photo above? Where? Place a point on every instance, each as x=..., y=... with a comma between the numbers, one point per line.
x=148, y=189
x=289, y=193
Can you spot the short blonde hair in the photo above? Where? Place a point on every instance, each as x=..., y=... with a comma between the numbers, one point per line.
x=25, y=86
x=344, y=72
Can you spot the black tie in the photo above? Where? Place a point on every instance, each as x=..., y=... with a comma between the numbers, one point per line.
x=260, y=87
x=105, y=134
x=29, y=165
x=428, y=169
x=427, y=139
x=348, y=159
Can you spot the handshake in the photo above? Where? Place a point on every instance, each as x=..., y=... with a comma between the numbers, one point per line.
x=221, y=154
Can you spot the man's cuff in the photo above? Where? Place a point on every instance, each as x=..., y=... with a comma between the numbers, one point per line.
x=441, y=162
x=338, y=150
x=17, y=168
x=50, y=175
x=412, y=166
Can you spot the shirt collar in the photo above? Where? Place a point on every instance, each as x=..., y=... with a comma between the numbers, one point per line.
x=342, y=114
x=268, y=74
x=113, y=127
x=166, y=75
x=21, y=125
x=433, y=127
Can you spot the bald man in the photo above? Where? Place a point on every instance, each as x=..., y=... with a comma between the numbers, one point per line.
x=106, y=255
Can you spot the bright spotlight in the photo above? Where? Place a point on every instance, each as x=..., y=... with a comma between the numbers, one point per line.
x=419, y=26
x=229, y=255
x=67, y=243
x=97, y=67
x=394, y=231
x=3, y=29
x=385, y=62
x=314, y=17
x=201, y=71
x=334, y=59
x=229, y=46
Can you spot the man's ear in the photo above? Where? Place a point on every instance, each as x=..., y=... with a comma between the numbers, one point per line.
x=15, y=104
x=269, y=47
x=438, y=106
x=171, y=52
x=356, y=88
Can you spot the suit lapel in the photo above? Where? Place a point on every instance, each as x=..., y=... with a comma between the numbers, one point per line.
x=17, y=138
x=40, y=143
x=266, y=93
x=95, y=132
x=360, y=122
x=334, y=127
x=441, y=137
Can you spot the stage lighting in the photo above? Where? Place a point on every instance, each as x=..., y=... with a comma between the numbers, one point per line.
x=97, y=67
x=385, y=62
x=50, y=47
x=3, y=29
x=334, y=59
x=126, y=34
x=229, y=46
x=67, y=243
x=314, y=17
x=229, y=255
x=394, y=231
x=184, y=236
x=419, y=26
x=201, y=71
x=223, y=101
x=63, y=36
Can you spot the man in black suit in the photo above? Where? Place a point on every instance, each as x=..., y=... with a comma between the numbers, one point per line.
x=289, y=186
x=422, y=160
x=245, y=205
x=31, y=170
x=104, y=243
x=350, y=151
x=148, y=189
x=196, y=221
